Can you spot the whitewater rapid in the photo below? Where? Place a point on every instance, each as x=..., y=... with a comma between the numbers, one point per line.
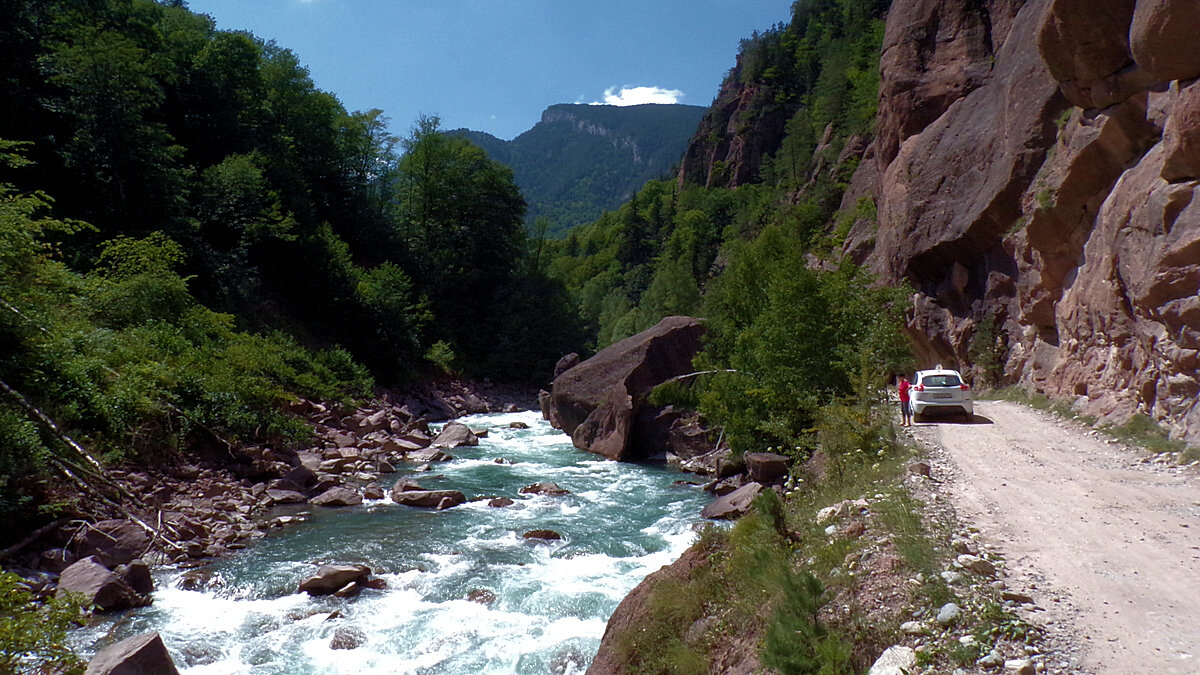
x=551, y=600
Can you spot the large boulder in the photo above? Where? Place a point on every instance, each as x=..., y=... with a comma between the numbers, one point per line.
x=1088, y=52
x=1162, y=37
x=455, y=435
x=733, y=505
x=606, y=431
x=329, y=579
x=114, y=542
x=143, y=654
x=98, y=586
x=767, y=468
x=431, y=499
x=616, y=380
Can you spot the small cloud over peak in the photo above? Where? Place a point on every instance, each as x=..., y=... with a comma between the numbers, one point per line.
x=639, y=95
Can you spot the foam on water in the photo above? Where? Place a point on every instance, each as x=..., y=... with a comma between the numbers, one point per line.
x=551, y=599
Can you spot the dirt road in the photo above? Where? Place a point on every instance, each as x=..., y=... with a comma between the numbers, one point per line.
x=1109, y=544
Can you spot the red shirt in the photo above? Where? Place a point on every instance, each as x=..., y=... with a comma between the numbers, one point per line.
x=903, y=389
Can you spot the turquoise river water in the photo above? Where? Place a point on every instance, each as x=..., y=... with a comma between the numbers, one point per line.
x=552, y=600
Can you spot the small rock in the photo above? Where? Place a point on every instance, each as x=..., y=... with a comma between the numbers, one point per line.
x=544, y=488
x=951, y=577
x=966, y=546
x=1019, y=598
x=921, y=469
x=500, y=502
x=544, y=535
x=949, y=614
x=912, y=628
x=518, y=425
x=992, y=660
x=1020, y=667
x=481, y=595
x=347, y=637
x=977, y=565
x=895, y=660
x=854, y=530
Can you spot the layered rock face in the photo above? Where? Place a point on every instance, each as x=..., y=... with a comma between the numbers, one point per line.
x=1036, y=166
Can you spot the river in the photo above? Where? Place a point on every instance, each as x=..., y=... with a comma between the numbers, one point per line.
x=551, y=600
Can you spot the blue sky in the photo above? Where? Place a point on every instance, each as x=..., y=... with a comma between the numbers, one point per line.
x=494, y=65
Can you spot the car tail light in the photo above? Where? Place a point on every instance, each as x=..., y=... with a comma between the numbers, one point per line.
x=965, y=387
x=920, y=387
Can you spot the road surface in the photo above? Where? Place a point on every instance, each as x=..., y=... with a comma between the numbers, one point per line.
x=1108, y=542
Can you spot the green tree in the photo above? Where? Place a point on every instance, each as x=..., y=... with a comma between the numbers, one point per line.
x=462, y=217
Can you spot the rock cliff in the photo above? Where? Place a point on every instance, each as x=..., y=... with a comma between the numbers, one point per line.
x=1035, y=168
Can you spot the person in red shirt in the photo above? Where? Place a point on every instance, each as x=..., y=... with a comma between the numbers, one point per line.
x=905, y=405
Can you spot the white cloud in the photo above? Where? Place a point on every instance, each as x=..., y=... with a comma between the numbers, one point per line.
x=639, y=95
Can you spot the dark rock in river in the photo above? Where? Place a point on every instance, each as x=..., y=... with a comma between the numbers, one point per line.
x=481, y=595
x=136, y=575
x=455, y=435
x=544, y=535
x=338, y=496
x=99, y=586
x=544, y=488
x=428, y=498
x=143, y=654
x=330, y=579
x=347, y=637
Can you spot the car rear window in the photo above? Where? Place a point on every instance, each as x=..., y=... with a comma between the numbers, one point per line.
x=941, y=381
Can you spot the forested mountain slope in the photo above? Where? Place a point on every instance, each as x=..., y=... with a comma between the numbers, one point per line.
x=192, y=235
x=580, y=160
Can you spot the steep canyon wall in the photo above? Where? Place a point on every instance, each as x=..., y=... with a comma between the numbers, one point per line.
x=1034, y=168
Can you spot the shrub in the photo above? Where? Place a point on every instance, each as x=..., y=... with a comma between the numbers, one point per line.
x=32, y=636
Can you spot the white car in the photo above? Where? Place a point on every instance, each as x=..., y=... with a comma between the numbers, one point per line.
x=941, y=391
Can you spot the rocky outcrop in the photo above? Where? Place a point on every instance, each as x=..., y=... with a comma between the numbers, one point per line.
x=634, y=610
x=1049, y=194
x=597, y=401
x=143, y=654
x=934, y=53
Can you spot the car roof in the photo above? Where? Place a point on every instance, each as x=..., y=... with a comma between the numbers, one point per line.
x=939, y=372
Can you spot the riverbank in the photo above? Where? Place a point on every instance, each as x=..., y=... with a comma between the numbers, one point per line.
x=468, y=589
x=219, y=497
